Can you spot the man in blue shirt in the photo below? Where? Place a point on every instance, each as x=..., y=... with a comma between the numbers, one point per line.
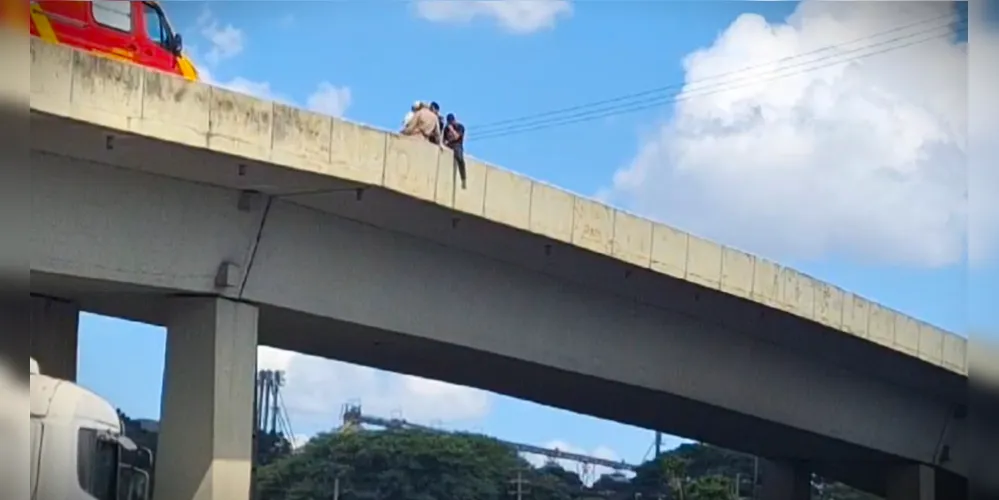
x=454, y=138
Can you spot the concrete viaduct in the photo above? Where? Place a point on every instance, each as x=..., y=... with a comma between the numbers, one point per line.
x=234, y=221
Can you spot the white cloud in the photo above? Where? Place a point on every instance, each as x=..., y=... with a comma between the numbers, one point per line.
x=517, y=16
x=984, y=122
x=244, y=86
x=316, y=390
x=226, y=41
x=260, y=90
x=299, y=440
x=329, y=99
x=863, y=160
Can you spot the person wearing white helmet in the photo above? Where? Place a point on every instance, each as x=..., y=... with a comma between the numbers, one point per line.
x=412, y=111
x=423, y=123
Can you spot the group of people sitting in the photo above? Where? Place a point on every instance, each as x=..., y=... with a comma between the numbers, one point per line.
x=425, y=120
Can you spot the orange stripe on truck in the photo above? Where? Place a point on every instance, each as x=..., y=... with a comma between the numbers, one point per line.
x=187, y=68
x=116, y=54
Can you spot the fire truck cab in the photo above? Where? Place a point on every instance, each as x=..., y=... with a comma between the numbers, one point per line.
x=131, y=31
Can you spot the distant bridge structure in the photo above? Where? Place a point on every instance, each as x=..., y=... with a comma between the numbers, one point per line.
x=354, y=418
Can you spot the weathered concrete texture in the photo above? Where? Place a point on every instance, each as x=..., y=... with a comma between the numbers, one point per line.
x=508, y=199
x=83, y=87
x=632, y=241
x=552, y=212
x=206, y=433
x=470, y=200
x=225, y=235
x=54, y=336
x=411, y=167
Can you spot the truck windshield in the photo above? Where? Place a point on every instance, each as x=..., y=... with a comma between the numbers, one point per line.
x=97, y=464
x=157, y=27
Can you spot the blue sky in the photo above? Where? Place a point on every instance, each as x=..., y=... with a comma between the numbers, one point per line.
x=883, y=220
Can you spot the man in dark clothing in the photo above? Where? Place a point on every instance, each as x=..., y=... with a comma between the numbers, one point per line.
x=454, y=138
x=436, y=108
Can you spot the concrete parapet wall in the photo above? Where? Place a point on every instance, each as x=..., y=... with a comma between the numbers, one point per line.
x=82, y=87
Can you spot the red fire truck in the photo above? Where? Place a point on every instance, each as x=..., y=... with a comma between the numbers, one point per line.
x=133, y=31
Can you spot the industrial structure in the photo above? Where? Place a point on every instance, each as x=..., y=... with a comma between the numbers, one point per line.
x=353, y=418
x=270, y=414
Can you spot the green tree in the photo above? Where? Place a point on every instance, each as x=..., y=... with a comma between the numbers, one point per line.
x=703, y=467
x=650, y=480
x=393, y=465
x=271, y=446
x=674, y=470
x=552, y=482
x=707, y=460
x=418, y=465
x=614, y=483
x=827, y=490
x=710, y=488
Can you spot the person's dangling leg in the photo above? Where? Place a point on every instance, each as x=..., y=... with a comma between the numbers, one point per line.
x=459, y=161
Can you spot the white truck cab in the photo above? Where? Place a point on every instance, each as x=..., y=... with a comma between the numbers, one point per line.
x=79, y=450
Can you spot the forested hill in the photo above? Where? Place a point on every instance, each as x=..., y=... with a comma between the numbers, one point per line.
x=415, y=465
x=420, y=465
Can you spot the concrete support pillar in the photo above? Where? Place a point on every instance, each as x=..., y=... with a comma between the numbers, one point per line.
x=784, y=480
x=912, y=482
x=54, y=336
x=205, y=449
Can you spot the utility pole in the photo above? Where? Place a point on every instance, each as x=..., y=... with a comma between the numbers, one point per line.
x=335, y=473
x=518, y=490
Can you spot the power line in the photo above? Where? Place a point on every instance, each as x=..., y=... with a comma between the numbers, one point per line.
x=657, y=90
x=700, y=92
x=597, y=114
x=592, y=114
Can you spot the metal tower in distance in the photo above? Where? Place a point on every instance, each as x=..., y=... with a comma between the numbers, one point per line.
x=268, y=411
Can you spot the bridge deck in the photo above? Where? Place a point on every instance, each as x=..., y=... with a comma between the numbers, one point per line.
x=81, y=87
